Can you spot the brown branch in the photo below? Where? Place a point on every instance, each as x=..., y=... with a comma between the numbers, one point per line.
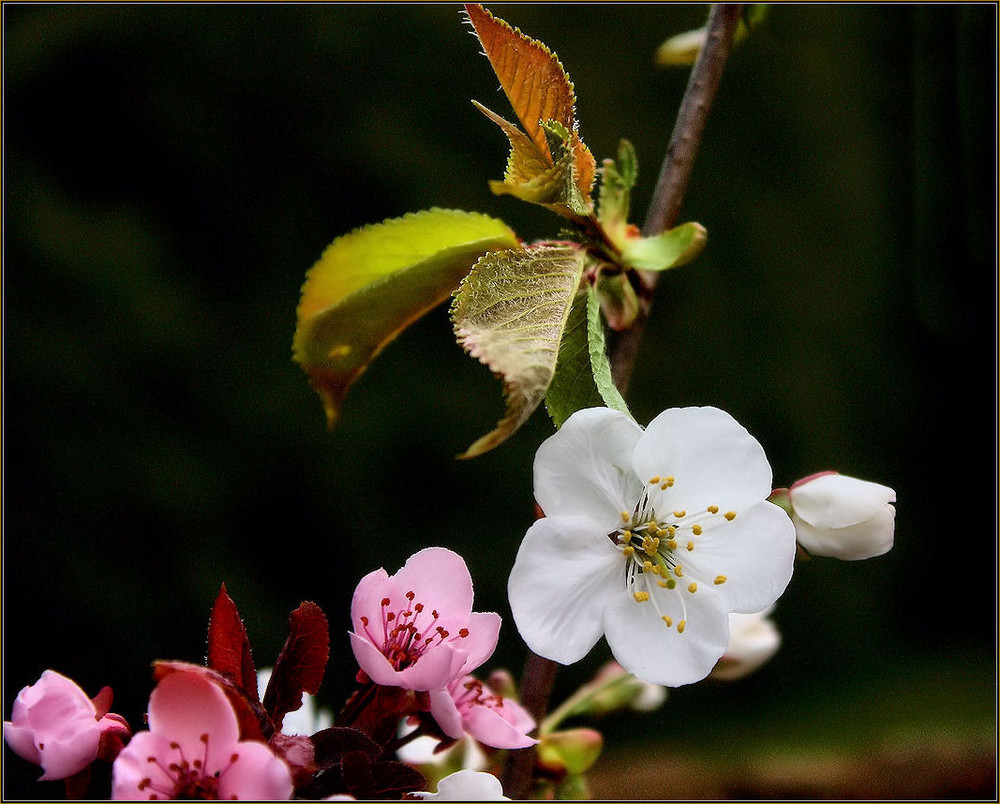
x=538, y=677
x=675, y=172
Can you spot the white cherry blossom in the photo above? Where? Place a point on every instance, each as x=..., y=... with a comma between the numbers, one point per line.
x=650, y=538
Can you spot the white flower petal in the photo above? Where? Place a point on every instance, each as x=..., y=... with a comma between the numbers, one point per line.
x=865, y=540
x=838, y=501
x=711, y=456
x=755, y=552
x=585, y=468
x=659, y=654
x=565, y=572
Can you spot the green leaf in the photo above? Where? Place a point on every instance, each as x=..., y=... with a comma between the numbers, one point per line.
x=530, y=176
x=618, y=177
x=583, y=372
x=666, y=250
x=510, y=313
x=371, y=284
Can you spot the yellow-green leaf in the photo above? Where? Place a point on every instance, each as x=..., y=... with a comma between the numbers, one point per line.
x=371, y=284
x=666, y=250
x=510, y=313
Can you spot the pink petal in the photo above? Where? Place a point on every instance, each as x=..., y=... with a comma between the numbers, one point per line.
x=445, y=713
x=484, y=632
x=185, y=706
x=132, y=766
x=439, y=578
x=256, y=774
x=367, y=599
x=490, y=728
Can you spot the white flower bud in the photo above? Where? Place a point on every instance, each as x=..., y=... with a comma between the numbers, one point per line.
x=753, y=639
x=842, y=517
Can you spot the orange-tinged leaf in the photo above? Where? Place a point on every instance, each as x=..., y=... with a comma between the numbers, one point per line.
x=537, y=87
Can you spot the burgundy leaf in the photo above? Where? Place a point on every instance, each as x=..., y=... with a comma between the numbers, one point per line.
x=229, y=646
x=301, y=663
x=356, y=767
x=331, y=745
x=394, y=779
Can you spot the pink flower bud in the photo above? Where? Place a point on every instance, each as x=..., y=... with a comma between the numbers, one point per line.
x=54, y=724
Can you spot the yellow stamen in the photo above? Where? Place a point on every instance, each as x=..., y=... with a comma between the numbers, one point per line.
x=690, y=546
x=679, y=514
x=647, y=566
x=654, y=480
x=626, y=516
x=713, y=509
x=656, y=569
x=730, y=515
x=628, y=551
x=672, y=545
x=667, y=620
x=671, y=530
x=626, y=535
x=641, y=597
x=681, y=626
x=669, y=480
x=720, y=579
x=678, y=571
x=665, y=584
x=693, y=587
x=696, y=530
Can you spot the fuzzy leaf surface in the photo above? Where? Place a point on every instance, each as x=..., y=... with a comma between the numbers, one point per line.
x=583, y=371
x=510, y=313
x=371, y=284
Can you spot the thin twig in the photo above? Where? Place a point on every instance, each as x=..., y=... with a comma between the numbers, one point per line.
x=675, y=172
x=538, y=677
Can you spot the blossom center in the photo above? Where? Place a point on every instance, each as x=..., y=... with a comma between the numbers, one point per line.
x=185, y=778
x=477, y=694
x=408, y=631
x=655, y=540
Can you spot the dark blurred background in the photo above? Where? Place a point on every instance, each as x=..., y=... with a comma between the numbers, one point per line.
x=171, y=172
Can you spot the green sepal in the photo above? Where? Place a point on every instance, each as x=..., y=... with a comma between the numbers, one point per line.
x=618, y=177
x=583, y=373
x=666, y=250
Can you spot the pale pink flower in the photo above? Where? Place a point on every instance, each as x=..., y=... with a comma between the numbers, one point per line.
x=753, y=639
x=416, y=629
x=54, y=724
x=467, y=706
x=193, y=749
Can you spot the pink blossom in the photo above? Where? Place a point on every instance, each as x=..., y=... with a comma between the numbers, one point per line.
x=467, y=705
x=193, y=750
x=416, y=629
x=54, y=724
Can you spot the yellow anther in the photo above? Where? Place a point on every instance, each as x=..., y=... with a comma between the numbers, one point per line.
x=671, y=530
x=647, y=566
x=626, y=516
x=669, y=480
x=659, y=532
x=641, y=597
x=696, y=530
x=680, y=513
x=693, y=587
x=656, y=569
x=672, y=544
x=654, y=480
x=667, y=620
x=681, y=626
x=719, y=579
x=678, y=571
x=665, y=486
x=665, y=584
x=628, y=551
x=626, y=535
x=730, y=515
x=713, y=509
x=690, y=546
